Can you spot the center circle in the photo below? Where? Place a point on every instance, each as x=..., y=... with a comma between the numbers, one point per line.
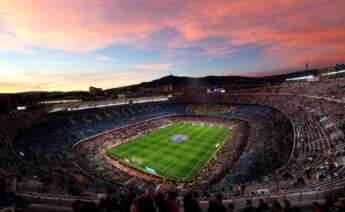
x=179, y=138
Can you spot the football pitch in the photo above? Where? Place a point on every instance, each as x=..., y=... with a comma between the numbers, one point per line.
x=177, y=152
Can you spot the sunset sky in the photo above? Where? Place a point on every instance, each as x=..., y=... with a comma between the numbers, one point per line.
x=72, y=44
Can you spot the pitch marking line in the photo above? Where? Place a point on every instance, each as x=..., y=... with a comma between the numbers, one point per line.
x=177, y=159
x=196, y=165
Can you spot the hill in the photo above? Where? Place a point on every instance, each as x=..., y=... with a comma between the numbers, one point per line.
x=214, y=80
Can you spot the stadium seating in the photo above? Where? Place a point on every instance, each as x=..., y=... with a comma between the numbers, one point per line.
x=295, y=142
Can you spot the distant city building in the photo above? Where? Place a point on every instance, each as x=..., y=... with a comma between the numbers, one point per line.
x=167, y=88
x=146, y=90
x=95, y=91
x=121, y=96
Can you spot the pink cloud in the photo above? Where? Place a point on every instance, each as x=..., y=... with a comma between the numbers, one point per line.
x=291, y=29
x=70, y=25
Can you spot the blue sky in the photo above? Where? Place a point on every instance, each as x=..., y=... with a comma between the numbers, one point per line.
x=70, y=45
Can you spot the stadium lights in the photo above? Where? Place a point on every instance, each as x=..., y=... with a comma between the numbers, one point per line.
x=334, y=72
x=21, y=108
x=109, y=104
x=61, y=101
x=300, y=78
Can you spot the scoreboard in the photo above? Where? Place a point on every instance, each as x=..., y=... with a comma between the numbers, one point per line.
x=215, y=89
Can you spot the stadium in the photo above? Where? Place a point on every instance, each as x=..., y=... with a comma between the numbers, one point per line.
x=172, y=106
x=267, y=141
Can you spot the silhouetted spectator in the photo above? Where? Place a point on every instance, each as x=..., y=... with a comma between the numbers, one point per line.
x=231, y=208
x=316, y=207
x=276, y=206
x=161, y=203
x=287, y=206
x=300, y=181
x=249, y=207
x=216, y=204
x=263, y=206
x=171, y=197
x=89, y=207
x=190, y=204
x=327, y=205
x=143, y=203
x=76, y=206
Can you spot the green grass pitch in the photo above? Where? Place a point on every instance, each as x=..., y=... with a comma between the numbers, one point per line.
x=155, y=153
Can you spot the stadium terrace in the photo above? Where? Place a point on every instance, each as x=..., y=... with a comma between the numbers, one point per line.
x=172, y=106
x=281, y=141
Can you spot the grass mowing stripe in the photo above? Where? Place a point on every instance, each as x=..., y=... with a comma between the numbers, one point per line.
x=196, y=165
x=183, y=157
x=154, y=136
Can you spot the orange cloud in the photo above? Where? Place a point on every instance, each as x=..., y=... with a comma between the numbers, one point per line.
x=285, y=29
x=46, y=80
x=15, y=80
x=155, y=66
x=69, y=25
